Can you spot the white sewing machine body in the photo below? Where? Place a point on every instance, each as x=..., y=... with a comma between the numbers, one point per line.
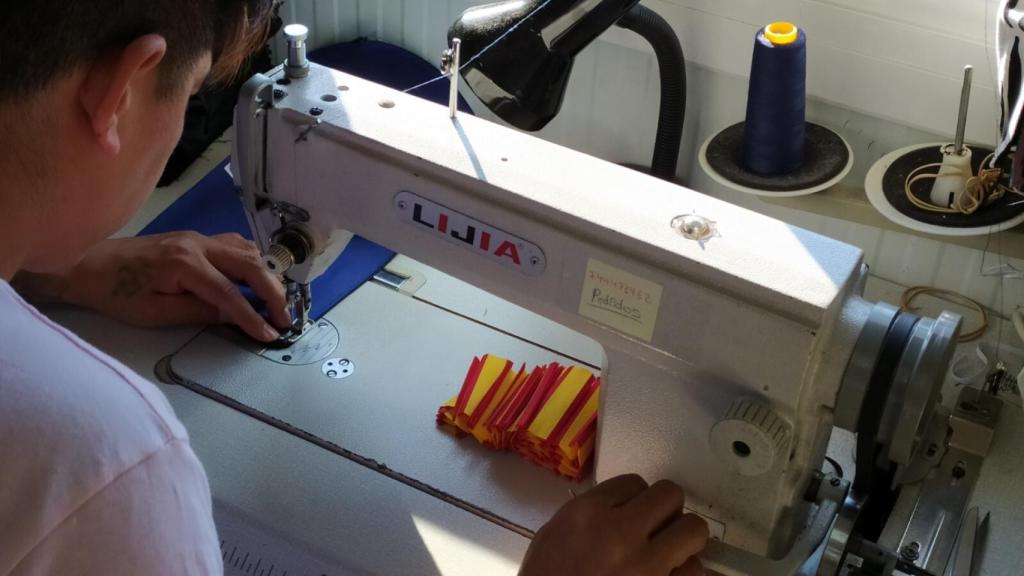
x=761, y=312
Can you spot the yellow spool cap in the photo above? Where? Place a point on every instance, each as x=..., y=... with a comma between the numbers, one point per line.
x=781, y=33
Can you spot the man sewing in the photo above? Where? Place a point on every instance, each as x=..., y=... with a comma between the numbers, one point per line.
x=98, y=476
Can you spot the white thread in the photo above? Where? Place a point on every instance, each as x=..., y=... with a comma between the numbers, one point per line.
x=485, y=49
x=1018, y=322
x=967, y=367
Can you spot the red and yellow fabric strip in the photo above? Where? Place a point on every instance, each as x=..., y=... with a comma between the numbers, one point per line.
x=548, y=414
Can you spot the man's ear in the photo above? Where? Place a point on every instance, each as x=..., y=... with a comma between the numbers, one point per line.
x=106, y=91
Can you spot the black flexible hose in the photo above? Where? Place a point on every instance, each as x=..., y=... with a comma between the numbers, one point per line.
x=672, y=67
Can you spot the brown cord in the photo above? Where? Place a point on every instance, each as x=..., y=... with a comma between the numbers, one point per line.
x=979, y=190
x=908, y=296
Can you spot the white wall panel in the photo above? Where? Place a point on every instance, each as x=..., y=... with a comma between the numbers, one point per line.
x=858, y=57
x=885, y=73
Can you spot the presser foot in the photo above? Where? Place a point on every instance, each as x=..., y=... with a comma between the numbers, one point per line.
x=290, y=336
x=300, y=299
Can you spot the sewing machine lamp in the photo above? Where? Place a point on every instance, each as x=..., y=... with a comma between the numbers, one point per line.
x=520, y=55
x=524, y=81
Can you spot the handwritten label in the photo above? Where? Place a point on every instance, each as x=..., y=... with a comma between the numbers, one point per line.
x=623, y=301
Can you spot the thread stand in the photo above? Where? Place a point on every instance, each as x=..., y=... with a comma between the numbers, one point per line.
x=884, y=186
x=827, y=160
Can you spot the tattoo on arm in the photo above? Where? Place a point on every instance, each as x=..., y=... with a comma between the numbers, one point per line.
x=130, y=280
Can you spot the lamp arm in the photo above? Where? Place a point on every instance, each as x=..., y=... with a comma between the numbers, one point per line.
x=672, y=68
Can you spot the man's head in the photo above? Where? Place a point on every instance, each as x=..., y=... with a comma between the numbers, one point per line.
x=92, y=104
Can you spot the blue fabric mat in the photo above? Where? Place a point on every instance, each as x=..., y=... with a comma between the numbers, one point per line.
x=212, y=207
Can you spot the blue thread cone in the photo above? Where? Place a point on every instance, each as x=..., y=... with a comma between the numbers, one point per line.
x=773, y=140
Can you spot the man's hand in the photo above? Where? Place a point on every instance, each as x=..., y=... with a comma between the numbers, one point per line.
x=170, y=279
x=621, y=527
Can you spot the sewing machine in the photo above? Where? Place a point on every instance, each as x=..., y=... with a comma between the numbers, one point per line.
x=731, y=343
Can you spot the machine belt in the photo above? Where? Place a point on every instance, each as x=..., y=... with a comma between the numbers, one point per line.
x=877, y=392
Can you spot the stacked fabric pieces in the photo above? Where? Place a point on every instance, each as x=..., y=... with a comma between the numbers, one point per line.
x=548, y=414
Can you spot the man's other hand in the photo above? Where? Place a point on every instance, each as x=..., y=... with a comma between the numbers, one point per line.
x=621, y=527
x=171, y=279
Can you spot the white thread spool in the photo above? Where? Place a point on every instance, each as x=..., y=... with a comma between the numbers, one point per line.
x=952, y=176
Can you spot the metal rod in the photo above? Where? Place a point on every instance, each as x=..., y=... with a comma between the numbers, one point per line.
x=453, y=71
x=296, y=66
x=961, y=119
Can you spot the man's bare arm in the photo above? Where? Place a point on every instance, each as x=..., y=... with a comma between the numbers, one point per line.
x=165, y=280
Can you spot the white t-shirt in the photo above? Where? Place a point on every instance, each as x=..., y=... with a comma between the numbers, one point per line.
x=96, y=472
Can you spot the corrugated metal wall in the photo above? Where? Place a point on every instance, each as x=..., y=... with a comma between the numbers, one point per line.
x=886, y=73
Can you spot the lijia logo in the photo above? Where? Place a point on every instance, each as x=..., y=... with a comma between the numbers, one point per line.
x=470, y=233
x=506, y=250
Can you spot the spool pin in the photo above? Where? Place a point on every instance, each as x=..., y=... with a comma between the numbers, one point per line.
x=956, y=157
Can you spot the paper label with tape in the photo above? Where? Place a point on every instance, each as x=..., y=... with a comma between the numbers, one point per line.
x=623, y=301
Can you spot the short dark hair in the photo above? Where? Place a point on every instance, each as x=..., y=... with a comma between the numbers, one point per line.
x=42, y=40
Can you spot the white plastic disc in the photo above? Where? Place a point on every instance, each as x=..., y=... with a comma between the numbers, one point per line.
x=873, y=188
x=703, y=159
